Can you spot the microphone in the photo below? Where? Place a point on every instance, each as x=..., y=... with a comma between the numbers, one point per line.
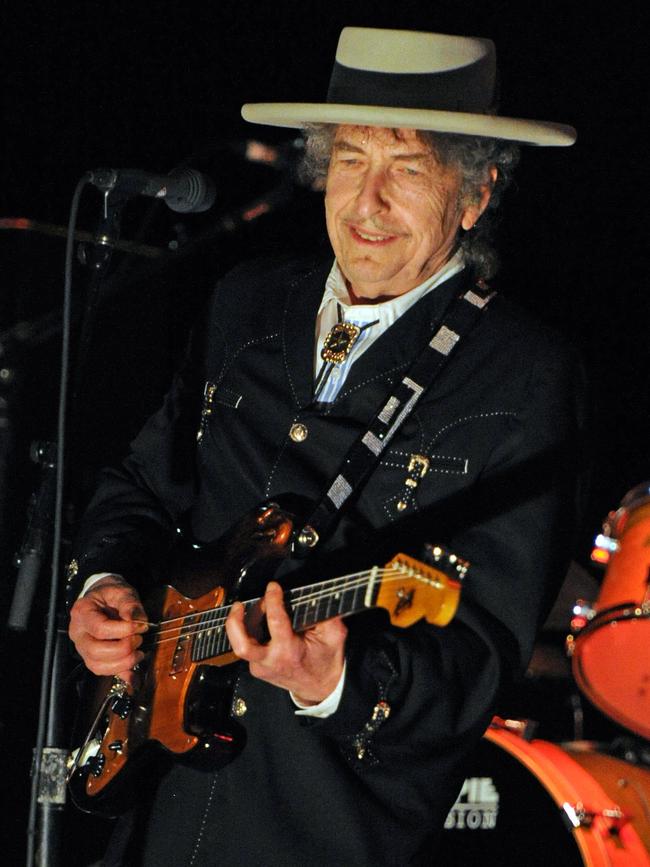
x=183, y=190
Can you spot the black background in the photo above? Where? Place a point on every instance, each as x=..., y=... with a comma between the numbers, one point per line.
x=156, y=85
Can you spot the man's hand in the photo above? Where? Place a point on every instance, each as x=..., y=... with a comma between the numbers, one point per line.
x=308, y=664
x=105, y=629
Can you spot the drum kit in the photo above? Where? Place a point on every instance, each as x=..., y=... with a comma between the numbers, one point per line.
x=528, y=801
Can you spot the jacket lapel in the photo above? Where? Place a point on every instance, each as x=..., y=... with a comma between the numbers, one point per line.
x=303, y=299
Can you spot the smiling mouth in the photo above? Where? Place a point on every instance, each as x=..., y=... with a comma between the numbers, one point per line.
x=365, y=237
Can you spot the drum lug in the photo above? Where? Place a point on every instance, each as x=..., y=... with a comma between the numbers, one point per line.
x=615, y=819
x=578, y=816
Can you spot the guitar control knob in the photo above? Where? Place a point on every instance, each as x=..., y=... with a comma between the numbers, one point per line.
x=116, y=746
x=95, y=764
x=122, y=706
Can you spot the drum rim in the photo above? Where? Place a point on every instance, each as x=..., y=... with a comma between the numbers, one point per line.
x=596, y=697
x=537, y=756
x=613, y=614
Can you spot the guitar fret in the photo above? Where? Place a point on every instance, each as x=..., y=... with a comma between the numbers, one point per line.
x=326, y=600
x=186, y=633
x=197, y=650
x=298, y=611
x=210, y=637
x=347, y=600
x=206, y=634
x=223, y=645
x=355, y=597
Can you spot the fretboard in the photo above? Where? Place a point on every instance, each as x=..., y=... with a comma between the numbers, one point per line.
x=307, y=606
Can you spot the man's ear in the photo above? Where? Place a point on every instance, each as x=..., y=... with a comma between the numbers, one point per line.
x=472, y=212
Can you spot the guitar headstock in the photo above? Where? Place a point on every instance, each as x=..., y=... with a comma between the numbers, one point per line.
x=415, y=589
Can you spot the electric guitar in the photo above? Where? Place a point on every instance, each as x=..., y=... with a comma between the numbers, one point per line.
x=177, y=702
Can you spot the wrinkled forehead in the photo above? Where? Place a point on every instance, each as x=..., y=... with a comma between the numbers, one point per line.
x=388, y=137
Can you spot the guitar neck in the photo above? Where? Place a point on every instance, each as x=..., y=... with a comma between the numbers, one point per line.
x=337, y=597
x=408, y=589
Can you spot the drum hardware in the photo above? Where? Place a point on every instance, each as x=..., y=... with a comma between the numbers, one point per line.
x=578, y=716
x=578, y=816
x=523, y=728
x=548, y=697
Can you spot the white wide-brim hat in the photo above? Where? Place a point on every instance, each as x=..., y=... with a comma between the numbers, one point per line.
x=408, y=79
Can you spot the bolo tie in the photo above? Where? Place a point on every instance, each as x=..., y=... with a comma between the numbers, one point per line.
x=337, y=346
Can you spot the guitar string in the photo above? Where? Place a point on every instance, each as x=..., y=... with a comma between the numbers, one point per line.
x=322, y=586
x=219, y=616
x=321, y=592
x=219, y=620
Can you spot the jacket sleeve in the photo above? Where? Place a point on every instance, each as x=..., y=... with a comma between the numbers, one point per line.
x=131, y=522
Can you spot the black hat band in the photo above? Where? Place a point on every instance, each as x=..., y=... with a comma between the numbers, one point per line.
x=468, y=88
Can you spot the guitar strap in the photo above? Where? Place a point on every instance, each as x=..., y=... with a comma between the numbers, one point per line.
x=460, y=317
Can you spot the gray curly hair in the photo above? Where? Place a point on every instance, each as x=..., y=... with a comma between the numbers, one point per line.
x=473, y=156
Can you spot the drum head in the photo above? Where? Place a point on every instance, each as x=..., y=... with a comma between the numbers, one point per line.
x=612, y=668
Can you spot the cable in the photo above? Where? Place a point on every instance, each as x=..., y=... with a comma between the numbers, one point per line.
x=51, y=625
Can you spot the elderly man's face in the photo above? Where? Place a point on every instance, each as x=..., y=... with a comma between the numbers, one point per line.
x=392, y=210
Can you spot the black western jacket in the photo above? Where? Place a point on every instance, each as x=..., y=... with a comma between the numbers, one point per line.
x=499, y=429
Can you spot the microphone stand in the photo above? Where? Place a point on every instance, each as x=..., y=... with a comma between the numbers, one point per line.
x=48, y=797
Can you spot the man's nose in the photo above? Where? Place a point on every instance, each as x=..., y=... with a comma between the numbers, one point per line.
x=372, y=193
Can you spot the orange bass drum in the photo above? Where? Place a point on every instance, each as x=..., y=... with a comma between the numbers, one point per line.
x=536, y=804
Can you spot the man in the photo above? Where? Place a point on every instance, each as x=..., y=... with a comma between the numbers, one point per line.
x=356, y=732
